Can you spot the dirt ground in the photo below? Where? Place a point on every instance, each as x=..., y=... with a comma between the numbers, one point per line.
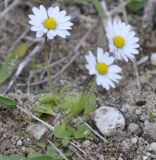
x=87, y=34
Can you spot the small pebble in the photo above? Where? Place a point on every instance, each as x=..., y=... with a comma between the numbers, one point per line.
x=134, y=140
x=153, y=59
x=86, y=143
x=37, y=130
x=145, y=158
x=138, y=112
x=153, y=146
x=19, y=142
x=133, y=128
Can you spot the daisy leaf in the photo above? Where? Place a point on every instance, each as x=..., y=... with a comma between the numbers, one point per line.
x=7, y=102
x=12, y=157
x=12, y=61
x=136, y=5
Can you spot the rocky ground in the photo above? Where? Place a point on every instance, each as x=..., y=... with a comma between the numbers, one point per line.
x=135, y=139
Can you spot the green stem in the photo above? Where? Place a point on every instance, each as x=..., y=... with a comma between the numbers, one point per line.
x=86, y=86
x=47, y=64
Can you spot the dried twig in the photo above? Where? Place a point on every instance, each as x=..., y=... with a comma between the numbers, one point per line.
x=19, y=39
x=76, y=152
x=94, y=131
x=9, y=8
x=58, y=150
x=118, y=9
x=23, y=64
x=73, y=144
x=41, y=121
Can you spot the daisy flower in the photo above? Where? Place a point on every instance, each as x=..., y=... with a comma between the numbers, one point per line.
x=52, y=22
x=102, y=66
x=123, y=42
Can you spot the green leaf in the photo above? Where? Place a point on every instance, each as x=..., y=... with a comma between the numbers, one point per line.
x=20, y=51
x=48, y=98
x=51, y=152
x=98, y=7
x=63, y=90
x=60, y=131
x=70, y=131
x=136, y=5
x=76, y=103
x=89, y=103
x=12, y=157
x=33, y=65
x=40, y=157
x=82, y=132
x=12, y=61
x=65, y=141
x=72, y=103
x=7, y=102
x=41, y=144
x=44, y=109
x=30, y=151
x=68, y=154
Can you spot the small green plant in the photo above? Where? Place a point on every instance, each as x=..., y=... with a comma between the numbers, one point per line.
x=65, y=133
x=76, y=102
x=150, y=116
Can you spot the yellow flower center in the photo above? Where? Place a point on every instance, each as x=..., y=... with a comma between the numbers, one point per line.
x=119, y=41
x=102, y=68
x=50, y=23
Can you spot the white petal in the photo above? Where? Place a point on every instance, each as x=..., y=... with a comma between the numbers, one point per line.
x=41, y=14
x=61, y=14
x=114, y=69
x=114, y=76
x=65, y=19
x=39, y=34
x=99, y=80
x=39, y=28
x=43, y=10
x=35, y=28
x=53, y=12
x=99, y=54
x=51, y=34
x=62, y=33
x=35, y=22
x=91, y=69
x=66, y=25
x=105, y=83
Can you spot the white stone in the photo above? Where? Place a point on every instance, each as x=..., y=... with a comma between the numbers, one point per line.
x=109, y=120
x=153, y=146
x=153, y=59
x=19, y=142
x=145, y=158
x=37, y=130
